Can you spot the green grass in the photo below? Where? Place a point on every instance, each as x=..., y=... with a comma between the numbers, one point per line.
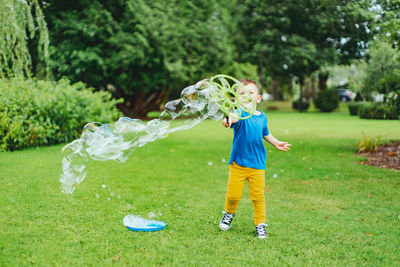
x=323, y=209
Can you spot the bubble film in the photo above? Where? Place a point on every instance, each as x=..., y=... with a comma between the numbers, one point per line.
x=211, y=98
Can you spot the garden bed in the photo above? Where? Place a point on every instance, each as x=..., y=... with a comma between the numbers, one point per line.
x=386, y=156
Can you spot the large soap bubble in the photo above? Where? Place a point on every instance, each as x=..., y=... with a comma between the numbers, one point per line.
x=211, y=98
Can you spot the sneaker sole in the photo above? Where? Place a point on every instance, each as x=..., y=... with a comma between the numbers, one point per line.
x=224, y=229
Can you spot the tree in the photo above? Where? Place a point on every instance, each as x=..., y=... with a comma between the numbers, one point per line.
x=21, y=24
x=297, y=38
x=388, y=21
x=383, y=62
x=143, y=50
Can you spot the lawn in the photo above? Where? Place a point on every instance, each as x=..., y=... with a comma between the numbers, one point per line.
x=323, y=208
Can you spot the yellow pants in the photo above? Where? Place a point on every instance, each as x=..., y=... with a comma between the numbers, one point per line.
x=237, y=178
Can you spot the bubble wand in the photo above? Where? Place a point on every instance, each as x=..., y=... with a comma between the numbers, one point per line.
x=228, y=98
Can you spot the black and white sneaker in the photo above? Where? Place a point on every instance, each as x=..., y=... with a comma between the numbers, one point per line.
x=226, y=221
x=261, y=231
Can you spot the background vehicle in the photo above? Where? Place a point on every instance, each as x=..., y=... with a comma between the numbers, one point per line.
x=345, y=95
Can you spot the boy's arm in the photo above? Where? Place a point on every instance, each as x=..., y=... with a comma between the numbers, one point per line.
x=231, y=120
x=282, y=146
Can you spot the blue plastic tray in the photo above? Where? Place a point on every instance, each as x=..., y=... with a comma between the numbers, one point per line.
x=143, y=225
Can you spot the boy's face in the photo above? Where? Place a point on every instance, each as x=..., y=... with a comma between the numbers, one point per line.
x=250, y=90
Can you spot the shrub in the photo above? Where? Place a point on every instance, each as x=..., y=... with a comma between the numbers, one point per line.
x=372, y=111
x=301, y=105
x=327, y=100
x=392, y=111
x=369, y=143
x=354, y=107
x=388, y=110
x=34, y=113
x=358, y=97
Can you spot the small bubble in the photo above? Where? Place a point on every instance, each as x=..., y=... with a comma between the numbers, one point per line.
x=275, y=175
x=119, y=197
x=223, y=160
x=210, y=163
x=97, y=195
x=104, y=186
x=108, y=199
x=152, y=215
x=112, y=194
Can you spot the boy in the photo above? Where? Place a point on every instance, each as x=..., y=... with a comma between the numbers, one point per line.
x=247, y=160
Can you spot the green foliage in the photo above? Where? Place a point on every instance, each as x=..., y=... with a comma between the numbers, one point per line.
x=297, y=38
x=389, y=21
x=389, y=110
x=372, y=111
x=390, y=83
x=243, y=70
x=353, y=75
x=383, y=62
x=18, y=27
x=144, y=49
x=369, y=143
x=392, y=105
x=34, y=113
x=301, y=105
x=354, y=107
x=327, y=100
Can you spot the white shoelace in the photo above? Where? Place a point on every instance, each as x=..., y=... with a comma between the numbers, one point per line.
x=227, y=219
x=261, y=229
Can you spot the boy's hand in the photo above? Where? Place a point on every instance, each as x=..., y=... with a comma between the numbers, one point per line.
x=283, y=146
x=226, y=123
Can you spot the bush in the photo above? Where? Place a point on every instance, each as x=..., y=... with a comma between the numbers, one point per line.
x=372, y=111
x=327, y=100
x=354, y=107
x=393, y=105
x=34, y=113
x=301, y=105
x=388, y=110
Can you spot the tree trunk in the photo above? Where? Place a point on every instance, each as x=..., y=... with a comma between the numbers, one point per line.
x=323, y=77
x=139, y=104
x=307, y=88
x=301, y=85
x=312, y=87
x=275, y=88
x=301, y=91
x=262, y=81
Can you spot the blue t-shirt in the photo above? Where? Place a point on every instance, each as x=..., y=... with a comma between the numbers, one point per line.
x=247, y=148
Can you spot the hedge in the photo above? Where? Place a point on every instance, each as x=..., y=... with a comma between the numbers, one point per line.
x=35, y=113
